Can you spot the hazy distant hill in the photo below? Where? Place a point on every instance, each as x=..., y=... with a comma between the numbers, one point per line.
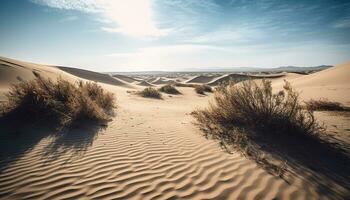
x=235, y=69
x=259, y=69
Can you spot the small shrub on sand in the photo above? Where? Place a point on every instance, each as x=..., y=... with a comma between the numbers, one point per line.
x=150, y=93
x=59, y=101
x=169, y=89
x=325, y=105
x=201, y=89
x=185, y=85
x=243, y=114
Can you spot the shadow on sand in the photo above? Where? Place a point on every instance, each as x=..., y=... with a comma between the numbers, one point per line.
x=18, y=139
x=320, y=163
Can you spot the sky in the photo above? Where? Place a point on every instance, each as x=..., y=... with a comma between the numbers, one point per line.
x=175, y=35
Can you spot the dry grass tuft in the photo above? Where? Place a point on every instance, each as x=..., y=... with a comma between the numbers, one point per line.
x=325, y=105
x=185, y=85
x=169, y=89
x=242, y=116
x=59, y=101
x=150, y=93
x=201, y=89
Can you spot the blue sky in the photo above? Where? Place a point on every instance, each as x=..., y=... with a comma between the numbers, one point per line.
x=133, y=35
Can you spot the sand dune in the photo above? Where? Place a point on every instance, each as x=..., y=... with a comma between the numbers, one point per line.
x=144, y=83
x=151, y=150
x=160, y=81
x=12, y=71
x=228, y=77
x=200, y=79
x=125, y=78
x=95, y=76
x=332, y=83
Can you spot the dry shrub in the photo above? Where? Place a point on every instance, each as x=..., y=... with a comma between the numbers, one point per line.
x=185, y=85
x=325, y=105
x=201, y=89
x=246, y=113
x=169, y=89
x=150, y=93
x=59, y=101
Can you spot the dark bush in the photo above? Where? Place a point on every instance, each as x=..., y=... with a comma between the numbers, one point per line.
x=169, y=89
x=242, y=113
x=150, y=93
x=201, y=89
x=59, y=101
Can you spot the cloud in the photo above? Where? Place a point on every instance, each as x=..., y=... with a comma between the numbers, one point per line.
x=69, y=18
x=343, y=23
x=131, y=17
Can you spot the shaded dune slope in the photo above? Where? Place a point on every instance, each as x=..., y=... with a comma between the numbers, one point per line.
x=332, y=83
x=144, y=83
x=200, y=79
x=242, y=77
x=160, y=81
x=125, y=78
x=94, y=76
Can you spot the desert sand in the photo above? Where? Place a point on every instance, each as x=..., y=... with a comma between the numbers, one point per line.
x=332, y=83
x=151, y=149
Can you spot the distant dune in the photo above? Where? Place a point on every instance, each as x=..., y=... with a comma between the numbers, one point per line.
x=144, y=83
x=124, y=78
x=241, y=77
x=200, y=79
x=94, y=76
x=160, y=81
x=332, y=83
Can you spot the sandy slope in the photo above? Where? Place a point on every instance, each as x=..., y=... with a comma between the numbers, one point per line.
x=12, y=71
x=151, y=150
x=227, y=77
x=332, y=83
x=125, y=78
x=94, y=76
x=201, y=79
x=162, y=81
x=144, y=83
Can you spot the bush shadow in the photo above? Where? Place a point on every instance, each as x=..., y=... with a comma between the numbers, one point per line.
x=20, y=138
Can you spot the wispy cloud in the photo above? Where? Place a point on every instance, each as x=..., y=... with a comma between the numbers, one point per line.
x=131, y=17
x=69, y=18
x=343, y=23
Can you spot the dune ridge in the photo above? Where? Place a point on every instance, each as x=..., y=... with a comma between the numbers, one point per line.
x=125, y=78
x=95, y=76
x=200, y=79
x=332, y=83
x=227, y=77
x=144, y=83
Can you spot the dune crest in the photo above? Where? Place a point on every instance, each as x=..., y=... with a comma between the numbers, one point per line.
x=332, y=83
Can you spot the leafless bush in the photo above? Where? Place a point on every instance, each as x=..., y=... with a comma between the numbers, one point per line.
x=169, y=89
x=59, y=101
x=150, y=93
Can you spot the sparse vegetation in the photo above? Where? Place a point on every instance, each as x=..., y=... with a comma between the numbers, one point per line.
x=150, y=93
x=58, y=101
x=185, y=85
x=201, y=89
x=325, y=105
x=243, y=115
x=169, y=89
